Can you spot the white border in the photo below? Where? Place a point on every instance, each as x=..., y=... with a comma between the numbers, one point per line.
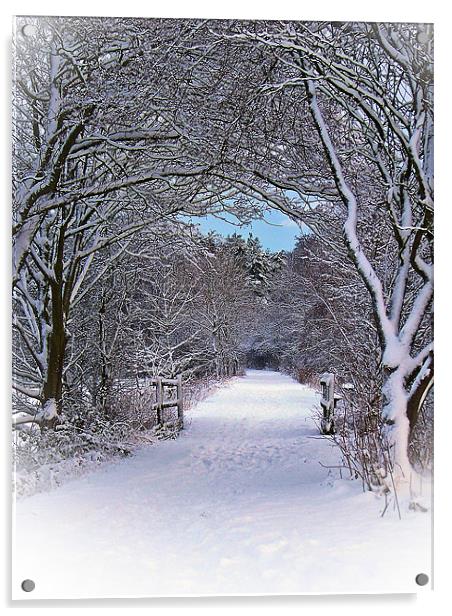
x=347, y=10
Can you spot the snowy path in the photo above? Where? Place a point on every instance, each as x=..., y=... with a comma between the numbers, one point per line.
x=238, y=504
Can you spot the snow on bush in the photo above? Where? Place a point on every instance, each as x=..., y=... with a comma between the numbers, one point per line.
x=83, y=440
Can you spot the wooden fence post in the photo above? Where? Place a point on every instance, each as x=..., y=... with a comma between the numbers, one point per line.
x=180, y=401
x=327, y=402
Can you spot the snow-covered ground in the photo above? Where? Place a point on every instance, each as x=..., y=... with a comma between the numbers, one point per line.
x=239, y=504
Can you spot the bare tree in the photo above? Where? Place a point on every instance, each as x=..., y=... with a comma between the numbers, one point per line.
x=348, y=131
x=93, y=165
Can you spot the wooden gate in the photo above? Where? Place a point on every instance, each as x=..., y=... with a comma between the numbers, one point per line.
x=161, y=384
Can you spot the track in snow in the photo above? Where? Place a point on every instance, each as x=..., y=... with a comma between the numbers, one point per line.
x=238, y=504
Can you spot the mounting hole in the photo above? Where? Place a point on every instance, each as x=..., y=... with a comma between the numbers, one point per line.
x=421, y=579
x=423, y=37
x=29, y=30
x=28, y=585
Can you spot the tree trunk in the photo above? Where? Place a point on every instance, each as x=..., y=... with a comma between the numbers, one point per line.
x=53, y=384
x=105, y=370
x=394, y=413
x=56, y=342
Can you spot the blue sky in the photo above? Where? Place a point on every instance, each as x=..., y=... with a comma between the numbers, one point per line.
x=276, y=231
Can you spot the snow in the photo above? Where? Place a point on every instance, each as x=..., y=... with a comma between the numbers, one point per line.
x=327, y=382
x=239, y=504
x=49, y=411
